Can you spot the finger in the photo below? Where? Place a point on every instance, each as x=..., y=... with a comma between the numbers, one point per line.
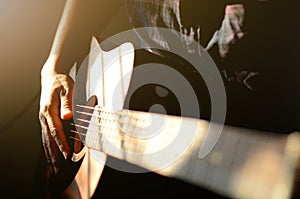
x=66, y=111
x=236, y=16
x=237, y=27
x=227, y=33
x=49, y=146
x=50, y=152
x=226, y=37
x=57, y=133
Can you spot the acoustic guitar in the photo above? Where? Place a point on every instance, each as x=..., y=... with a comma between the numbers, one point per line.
x=244, y=163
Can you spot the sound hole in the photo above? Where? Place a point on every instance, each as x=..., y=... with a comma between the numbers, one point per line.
x=154, y=98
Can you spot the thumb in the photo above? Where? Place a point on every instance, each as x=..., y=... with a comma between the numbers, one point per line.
x=66, y=111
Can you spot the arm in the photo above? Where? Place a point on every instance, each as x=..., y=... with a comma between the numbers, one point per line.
x=80, y=20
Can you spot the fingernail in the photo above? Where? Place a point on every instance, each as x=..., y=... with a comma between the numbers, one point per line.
x=66, y=114
x=65, y=154
x=240, y=35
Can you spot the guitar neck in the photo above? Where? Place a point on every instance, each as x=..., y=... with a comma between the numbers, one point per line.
x=244, y=163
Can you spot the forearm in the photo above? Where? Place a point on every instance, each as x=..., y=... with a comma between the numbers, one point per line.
x=65, y=27
x=80, y=21
x=60, y=46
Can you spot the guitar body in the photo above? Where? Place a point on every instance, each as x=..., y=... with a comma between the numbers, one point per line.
x=108, y=78
x=244, y=163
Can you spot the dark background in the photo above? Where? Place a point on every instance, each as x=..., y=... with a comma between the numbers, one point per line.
x=27, y=29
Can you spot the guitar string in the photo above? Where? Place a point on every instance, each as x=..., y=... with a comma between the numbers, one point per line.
x=104, y=126
x=123, y=112
x=128, y=120
x=108, y=135
x=107, y=131
x=129, y=124
x=121, y=120
x=105, y=115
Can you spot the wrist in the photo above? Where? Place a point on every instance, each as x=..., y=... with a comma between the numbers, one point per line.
x=53, y=65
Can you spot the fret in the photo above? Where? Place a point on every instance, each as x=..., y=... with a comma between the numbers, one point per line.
x=123, y=123
x=107, y=130
x=97, y=143
x=134, y=145
x=242, y=189
x=90, y=133
x=95, y=134
x=200, y=171
x=244, y=183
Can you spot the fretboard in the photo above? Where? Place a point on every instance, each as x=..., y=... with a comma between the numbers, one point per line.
x=244, y=163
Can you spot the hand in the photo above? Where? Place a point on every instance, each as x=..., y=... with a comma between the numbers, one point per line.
x=55, y=106
x=231, y=28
